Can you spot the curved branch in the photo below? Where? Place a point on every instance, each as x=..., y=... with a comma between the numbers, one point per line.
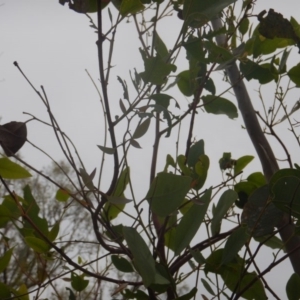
x=105, y=99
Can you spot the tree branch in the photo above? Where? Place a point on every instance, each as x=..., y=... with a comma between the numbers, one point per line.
x=105, y=99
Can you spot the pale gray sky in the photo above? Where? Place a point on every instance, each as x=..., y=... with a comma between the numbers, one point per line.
x=54, y=45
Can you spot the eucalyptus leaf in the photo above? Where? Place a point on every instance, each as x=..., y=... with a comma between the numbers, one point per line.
x=37, y=244
x=218, y=105
x=156, y=69
x=294, y=74
x=130, y=7
x=241, y=163
x=121, y=264
x=293, y=287
x=225, y=202
x=87, y=178
x=5, y=259
x=141, y=129
x=107, y=150
x=143, y=260
x=234, y=244
x=167, y=192
x=190, y=223
x=135, y=144
x=11, y=170
x=200, y=12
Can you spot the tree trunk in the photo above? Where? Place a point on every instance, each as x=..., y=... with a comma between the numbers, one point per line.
x=263, y=149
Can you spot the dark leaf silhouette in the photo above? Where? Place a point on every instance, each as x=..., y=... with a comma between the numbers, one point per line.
x=274, y=25
x=12, y=137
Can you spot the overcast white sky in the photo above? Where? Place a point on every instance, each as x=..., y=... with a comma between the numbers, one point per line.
x=53, y=45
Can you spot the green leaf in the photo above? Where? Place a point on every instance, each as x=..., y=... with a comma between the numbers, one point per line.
x=217, y=54
x=111, y=211
x=138, y=295
x=214, y=262
x=118, y=200
x=5, y=259
x=197, y=13
x=226, y=162
x=11, y=170
x=4, y=291
x=210, y=86
x=232, y=278
x=54, y=232
x=293, y=287
x=122, y=182
x=84, y=6
x=78, y=282
x=8, y=210
x=160, y=46
x=195, y=152
x=201, y=169
x=160, y=108
x=295, y=108
x=234, y=244
x=190, y=223
x=141, y=129
x=191, y=294
x=257, y=178
x=207, y=286
x=122, y=106
x=115, y=233
x=121, y=264
x=234, y=275
x=107, y=150
x=186, y=205
x=135, y=144
x=262, y=223
x=125, y=92
x=161, y=99
x=241, y=163
x=198, y=256
x=273, y=242
x=169, y=162
x=252, y=70
x=225, y=202
x=294, y=74
x=170, y=237
x=185, y=83
x=143, y=260
x=156, y=69
x=181, y=160
x=285, y=190
x=37, y=245
x=217, y=105
x=88, y=178
x=32, y=208
x=62, y=195
x=259, y=45
x=167, y=192
x=244, y=25
x=194, y=48
x=72, y=295
x=21, y=291
x=160, y=280
x=247, y=187
x=130, y=7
